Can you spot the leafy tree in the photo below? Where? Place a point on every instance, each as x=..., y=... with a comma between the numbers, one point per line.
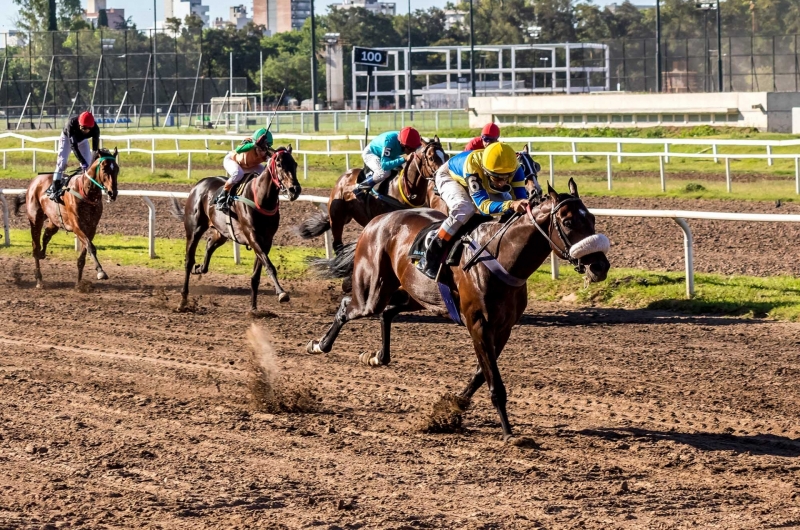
x=102, y=19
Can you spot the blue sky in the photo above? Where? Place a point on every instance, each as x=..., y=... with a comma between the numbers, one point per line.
x=142, y=10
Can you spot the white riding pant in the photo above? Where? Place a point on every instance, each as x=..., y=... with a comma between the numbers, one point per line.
x=235, y=171
x=373, y=162
x=64, y=149
x=459, y=203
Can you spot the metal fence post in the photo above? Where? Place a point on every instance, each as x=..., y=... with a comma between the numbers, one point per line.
x=4, y=159
x=553, y=266
x=728, y=174
x=347, y=160
x=237, y=255
x=552, y=172
x=34, y=161
x=129, y=146
x=688, y=253
x=153, y=156
x=797, y=176
x=666, y=153
x=619, y=152
x=329, y=253
x=189, y=165
x=608, y=171
x=574, y=153
x=328, y=145
x=151, y=226
x=305, y=166
x=769, y=155
x=4, y=206
x=714, y=150
x=661, y=173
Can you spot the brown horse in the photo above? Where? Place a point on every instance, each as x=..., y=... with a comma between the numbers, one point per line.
x=412, y=189
x=80, y=214
x=490, y=301
x=253, y=220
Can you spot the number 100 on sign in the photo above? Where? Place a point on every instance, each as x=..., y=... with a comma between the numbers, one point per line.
x=370, y=57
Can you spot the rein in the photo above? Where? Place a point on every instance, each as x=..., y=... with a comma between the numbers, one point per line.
x=404, y=195
x=81, y=194
x=272, y=171
x=563, y=254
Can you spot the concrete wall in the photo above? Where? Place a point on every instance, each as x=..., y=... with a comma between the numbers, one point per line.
x=762, y=110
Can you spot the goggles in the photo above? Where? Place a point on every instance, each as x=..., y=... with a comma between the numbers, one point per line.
x=488, y=139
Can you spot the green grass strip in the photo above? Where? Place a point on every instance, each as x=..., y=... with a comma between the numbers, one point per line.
x=776, y=297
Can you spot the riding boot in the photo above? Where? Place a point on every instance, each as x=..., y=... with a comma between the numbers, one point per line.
x=434, y=254
x=223, y=203
x=56, y=190
x=361, y=189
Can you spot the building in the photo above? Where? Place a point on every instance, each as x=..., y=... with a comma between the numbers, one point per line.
x=454, y=17
x=114, y=16
x=237, y=18
x=379, y=8
x=181, y=9
x=12, y=38
x=278, y=16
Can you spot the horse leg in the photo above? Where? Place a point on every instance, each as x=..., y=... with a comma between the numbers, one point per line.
x=86, y=241
x=325, y=344
x=262, y=254
x=214, y=242
x=49, y=231
x=36, y=235
x=477, y=381
x=255, y=280
x=192, y=239
x=81, y=262
x=484, y=342
x=339, y=217
x=399, y=303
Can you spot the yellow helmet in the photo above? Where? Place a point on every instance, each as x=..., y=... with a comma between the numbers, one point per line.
x=500, y=160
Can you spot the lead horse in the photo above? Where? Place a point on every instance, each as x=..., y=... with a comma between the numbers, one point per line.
x=413, y=188
x=489, y=300
x=80, y=213
x=253, y=220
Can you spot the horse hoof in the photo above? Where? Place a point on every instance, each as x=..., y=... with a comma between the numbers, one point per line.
x=313, y=347
x=520, y=441
x=198, y=270
x=102, y=275
x=371, y=359
x=283, y=297
x=39, y=285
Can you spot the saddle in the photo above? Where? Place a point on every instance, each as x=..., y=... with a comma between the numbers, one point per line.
x=417, y=250
x=240, y=188
x=383, y=187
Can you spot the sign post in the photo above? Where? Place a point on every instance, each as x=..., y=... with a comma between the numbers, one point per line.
x=370, y=58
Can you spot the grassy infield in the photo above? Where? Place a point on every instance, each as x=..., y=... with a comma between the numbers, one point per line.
x=774, y=297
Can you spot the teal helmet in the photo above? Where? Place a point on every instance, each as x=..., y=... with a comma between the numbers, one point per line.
x=262, y=137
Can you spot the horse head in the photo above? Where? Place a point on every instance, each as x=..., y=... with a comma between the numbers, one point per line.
x=104, y=170
x=572, y=233
x=432, y=157
x=531, y=169
x=283, y=167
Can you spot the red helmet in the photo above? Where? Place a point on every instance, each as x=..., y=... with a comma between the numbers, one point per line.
x=409, y=137
x=86, y=120
x=490, y=130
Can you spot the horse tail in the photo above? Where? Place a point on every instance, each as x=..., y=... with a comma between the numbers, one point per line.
x=19, y=201
x=176, y=209
x=340, y=266
x=314, y=226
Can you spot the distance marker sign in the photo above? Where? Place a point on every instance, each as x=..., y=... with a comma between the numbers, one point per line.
x=370, y=57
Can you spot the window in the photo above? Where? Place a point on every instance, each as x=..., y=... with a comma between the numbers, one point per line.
x=594, y=118
x=627, y=118
x=694, y=118
x=616, y=118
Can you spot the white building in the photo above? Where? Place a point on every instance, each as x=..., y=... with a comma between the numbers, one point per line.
x=454, y=17
x=381, y=8
x=181, y=9
x=237, y=18
x=12, y=38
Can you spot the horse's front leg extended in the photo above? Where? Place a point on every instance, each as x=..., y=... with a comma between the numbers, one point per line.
x=262, y=255
x=484, y=341
x=86, y=241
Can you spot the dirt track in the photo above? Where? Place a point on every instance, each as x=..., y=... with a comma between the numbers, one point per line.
x=652, y=244
x=116, y=412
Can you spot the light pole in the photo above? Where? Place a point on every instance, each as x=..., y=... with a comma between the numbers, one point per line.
x=707, y=6
x=314, y=69
x=410, y=102
x=471, y=49
x=155, y=67
x=658, y=45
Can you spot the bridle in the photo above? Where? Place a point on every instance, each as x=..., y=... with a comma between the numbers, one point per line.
x=272, y=169
x=82, y=194
x=555, y=220
x=404, y=182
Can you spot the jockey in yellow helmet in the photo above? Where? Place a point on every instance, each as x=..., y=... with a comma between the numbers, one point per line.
x=487, y=181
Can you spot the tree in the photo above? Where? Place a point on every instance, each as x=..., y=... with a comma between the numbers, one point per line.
x=102, y=19
x=35, y=14
x=173, y=25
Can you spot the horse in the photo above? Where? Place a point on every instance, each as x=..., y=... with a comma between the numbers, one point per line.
x=80, y=214
x=489, y=298
x=413, y=188
x=344, y=207
x=253, y=220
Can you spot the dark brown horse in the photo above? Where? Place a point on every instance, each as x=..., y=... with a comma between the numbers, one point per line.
x=489, y=301
x=253, y=220
x=412, y=189
x=80, y=214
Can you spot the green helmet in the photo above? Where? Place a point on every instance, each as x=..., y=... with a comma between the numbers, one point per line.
x=263, y=135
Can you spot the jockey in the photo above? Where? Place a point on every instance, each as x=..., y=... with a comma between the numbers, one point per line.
x=247, y=158
x=487, y=182
x=489, y=135
x=384, y=154
x=75, y=136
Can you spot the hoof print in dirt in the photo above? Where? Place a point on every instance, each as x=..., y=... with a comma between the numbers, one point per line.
x=261, y=313
x=521, y=441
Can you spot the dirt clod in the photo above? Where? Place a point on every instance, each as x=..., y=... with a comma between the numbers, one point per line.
x=446, y=415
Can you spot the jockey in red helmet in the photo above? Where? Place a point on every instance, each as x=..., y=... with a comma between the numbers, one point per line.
x=75, y=137
x=489, y=135
x=386, y=153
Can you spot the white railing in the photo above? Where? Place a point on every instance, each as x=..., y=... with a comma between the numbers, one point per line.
x=663, y=157
x=679, y=216
x=146, y=196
